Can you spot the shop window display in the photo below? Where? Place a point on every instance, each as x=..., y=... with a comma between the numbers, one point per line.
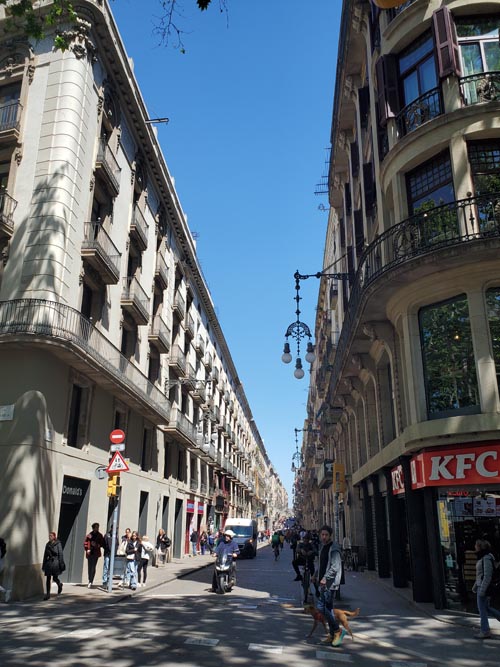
x=465, y=516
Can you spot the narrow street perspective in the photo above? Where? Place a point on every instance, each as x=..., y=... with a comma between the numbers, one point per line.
x=260, y=622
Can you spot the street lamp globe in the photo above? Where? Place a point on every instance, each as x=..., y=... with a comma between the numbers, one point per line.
x=310, y=356
x=286, y=357
x=299, y=371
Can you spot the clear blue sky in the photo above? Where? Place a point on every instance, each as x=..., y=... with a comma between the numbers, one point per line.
x=250, y=105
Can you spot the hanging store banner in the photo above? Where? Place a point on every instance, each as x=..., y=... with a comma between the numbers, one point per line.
x=339, y=485
x=201, y=508
x=398, y=482
x=467, y=464
x=190, y=506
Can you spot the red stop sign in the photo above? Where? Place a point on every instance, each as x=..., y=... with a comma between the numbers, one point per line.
x=117, y=436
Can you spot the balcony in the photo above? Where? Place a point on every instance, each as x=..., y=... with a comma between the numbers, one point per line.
x=99, y=251
x=420, y=111
x=199, y=393
x=7, y=207
x=159, y=335
x=161, y=272
x=181, y=428
x=135, y=300
x=193, y=485
x=177, y=361
x=107, y=168
x=208, y=361
x=199, y=346
x=395, y=11
x=203, y=489
x=139, y=229
x=190, y=379
x=478, y=88
x=74, y=339
x=10, y=121
x=461, y=224
x=189, y=326
x=179, y=305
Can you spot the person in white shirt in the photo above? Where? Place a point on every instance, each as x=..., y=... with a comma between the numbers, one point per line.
x=142, y=564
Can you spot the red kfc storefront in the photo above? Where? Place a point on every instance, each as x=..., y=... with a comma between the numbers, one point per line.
x=461, y=499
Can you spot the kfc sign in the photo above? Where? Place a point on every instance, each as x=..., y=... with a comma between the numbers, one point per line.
x=398, y=482
x=454, y=467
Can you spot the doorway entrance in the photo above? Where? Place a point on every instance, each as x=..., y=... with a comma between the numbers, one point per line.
x=73, y=519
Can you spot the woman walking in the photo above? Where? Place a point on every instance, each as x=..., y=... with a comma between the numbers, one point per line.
x=133, y=551
x=53, y=564
x=142, y=565
x=485, y=567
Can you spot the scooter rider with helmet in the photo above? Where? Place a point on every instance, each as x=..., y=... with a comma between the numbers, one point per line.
x=229, y=547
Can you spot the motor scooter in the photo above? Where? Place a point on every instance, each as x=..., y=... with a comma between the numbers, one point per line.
x=225, y=573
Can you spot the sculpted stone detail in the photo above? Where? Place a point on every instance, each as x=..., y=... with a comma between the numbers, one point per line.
x=100, y=104
x=18, y=154
x=80, y=43
x=30, y=73
x=92, y=183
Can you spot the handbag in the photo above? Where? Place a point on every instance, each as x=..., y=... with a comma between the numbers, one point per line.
x=121, y=551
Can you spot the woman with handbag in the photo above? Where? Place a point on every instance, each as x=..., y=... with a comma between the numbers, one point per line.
x=53, y=564
x=485, y=567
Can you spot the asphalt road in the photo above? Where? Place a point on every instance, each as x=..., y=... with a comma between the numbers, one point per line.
x=260, y=623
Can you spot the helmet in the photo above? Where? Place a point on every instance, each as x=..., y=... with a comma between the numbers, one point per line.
x=229, y=532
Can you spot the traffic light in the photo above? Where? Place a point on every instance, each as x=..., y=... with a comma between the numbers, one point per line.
x=113, y=485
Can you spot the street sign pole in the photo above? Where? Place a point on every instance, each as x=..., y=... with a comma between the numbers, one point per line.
x=116, y=516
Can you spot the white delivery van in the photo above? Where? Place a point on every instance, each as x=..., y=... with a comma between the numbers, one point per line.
x=245, y=535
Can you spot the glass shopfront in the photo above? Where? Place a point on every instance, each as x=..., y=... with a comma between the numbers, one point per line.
x=465, y=515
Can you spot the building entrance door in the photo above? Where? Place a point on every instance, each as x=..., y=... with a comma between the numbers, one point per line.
x=73, y=525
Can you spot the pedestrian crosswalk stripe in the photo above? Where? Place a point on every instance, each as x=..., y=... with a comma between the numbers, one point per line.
x=85, y=633
x=405, y=663
x=333, y=655
x=35, y=630
x=265, y=649
x=202, y=641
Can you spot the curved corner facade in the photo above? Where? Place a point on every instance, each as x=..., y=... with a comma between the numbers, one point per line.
x=106, y=321
x=402, y=452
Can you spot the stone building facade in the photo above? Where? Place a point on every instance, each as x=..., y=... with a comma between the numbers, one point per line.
x=106, y=321
x=404, y=399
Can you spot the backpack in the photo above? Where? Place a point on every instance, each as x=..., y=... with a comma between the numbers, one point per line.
x=494, y=585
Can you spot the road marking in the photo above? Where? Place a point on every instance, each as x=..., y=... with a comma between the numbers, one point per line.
x=333, y=655
x=35, y=630
x=86, y=633
x=247, y=606
x=265, y=649
x=404, y=663
x=202, y=641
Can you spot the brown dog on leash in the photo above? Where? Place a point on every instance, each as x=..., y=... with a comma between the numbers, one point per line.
x=341, y=616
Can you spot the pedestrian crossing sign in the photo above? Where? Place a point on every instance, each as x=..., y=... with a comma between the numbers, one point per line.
x=117, y=464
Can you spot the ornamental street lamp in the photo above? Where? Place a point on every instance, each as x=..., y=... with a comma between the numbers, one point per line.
x=299, y=330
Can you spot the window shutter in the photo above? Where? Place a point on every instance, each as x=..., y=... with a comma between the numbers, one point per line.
x=342, y=233
x=364, y=106
x=369, y=183
x=446, y=43
x=359, y=236
x=347, y=196
x=354, y=158
x=387, y=87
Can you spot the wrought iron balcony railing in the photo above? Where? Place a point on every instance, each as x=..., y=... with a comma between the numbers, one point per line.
x=419, y=111
x=101, y=253
x=159, y=334
x=135, y=300
x=161, y=271
x=7, y=207
x=450, y=225
x=395, y=11
x=37, y=318
x=483, y=87
x=139, y=229
x=179, y=305
x=177, y=360
x=109, y=165
x=180, y=423
x=10, y=116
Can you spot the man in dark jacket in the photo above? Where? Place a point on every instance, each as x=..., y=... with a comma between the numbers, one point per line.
x=93, y=544
x=194, y=541
x=328, y=576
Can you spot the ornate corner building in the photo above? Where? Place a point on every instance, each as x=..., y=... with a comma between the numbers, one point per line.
x=403, y=453
x=106, y=320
